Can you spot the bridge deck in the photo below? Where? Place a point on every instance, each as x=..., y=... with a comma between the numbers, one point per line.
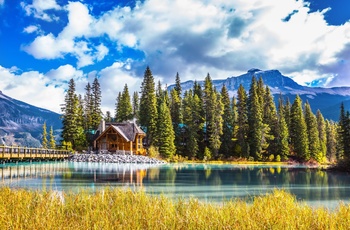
x=22, y=153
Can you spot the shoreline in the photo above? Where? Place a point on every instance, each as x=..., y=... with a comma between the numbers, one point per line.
x=114, y=158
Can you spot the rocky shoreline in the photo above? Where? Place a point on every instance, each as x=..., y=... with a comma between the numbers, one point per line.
x=114, y=158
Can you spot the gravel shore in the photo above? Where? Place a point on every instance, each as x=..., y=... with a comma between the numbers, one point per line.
x=114, y=158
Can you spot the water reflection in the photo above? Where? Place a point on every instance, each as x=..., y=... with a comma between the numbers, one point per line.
x=206, y=182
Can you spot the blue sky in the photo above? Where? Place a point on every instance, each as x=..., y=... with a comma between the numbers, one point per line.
x=44, y=43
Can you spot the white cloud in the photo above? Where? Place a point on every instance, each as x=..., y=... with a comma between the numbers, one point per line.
x=31, y=29
x=194, y=37
x=2, y=2
x=38, y=8
x=31, y=87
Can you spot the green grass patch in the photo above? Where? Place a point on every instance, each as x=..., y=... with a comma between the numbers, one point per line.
x=120, y=209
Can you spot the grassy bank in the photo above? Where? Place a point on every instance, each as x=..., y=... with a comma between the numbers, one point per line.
x=116, y=209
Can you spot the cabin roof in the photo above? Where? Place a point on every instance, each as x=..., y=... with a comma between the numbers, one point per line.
x=126, y=129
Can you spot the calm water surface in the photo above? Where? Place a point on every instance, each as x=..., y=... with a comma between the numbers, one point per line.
x=207, y=182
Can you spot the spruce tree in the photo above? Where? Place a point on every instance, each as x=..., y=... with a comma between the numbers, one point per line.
x=52, y=143
x=69, y=115
x=216, y=128
x=255, y=121
x=124, y=107
x=312, y=133
x=242, y=122
x=88, y=107
x=135, y=105
x=176, y=113
x=44, y=138
x=108, y=117
x=165, y=133
x=270, y=121
x=148, y=106
x=226, y=147
x=118, y=106
x=322, y=136
x=96, y=103
x=200, y=119
x=298, y=131
x=331, y=137
x=282, y=134
x=193, y=124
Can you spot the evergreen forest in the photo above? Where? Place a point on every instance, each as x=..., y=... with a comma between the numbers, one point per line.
x=204, y=123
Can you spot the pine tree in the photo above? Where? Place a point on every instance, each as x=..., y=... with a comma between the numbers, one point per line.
x=108, y=117
x=148, y=106
x=118, y=106
x=88, y=108
x=44, y=138
x=270, y=121
x=312, y=133
x=124, y=107
x=193, y=124
x=255, y=121
x=200, y=120
x=216, y=128
x=165, y=134
x=96, y=104
x=298, y=131
x=135, y=105
x=228, y=124
x=282, y=134
x=80, y=141
x=69, y=115
x=331, y=136
x=176, y=113
x=322, y=136
x=52, y=143
x=242, y=122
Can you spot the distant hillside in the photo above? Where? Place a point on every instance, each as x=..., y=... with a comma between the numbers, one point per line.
x=327, y=100
x=21, y=123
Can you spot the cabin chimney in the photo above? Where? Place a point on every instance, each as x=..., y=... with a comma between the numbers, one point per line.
x=102, y=125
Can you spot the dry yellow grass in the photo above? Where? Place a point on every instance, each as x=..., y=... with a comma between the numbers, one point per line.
x=118, y=209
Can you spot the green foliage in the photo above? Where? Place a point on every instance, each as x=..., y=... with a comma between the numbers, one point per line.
x=153, y=152
x=298, y=131
x=207, y=154
x=227, y=124
x=271, y=157
x=44, y=142
x=164, y=134
x=278, y=158
x=313, y=135
x=242, y=121
x=124, y=107
x=135, y=105
x=52, y=143
x=148, y=106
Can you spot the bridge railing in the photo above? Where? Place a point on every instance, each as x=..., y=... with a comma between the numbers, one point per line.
x=17, y=152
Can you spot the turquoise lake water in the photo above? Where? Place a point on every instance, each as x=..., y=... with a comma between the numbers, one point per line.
x=207, y=182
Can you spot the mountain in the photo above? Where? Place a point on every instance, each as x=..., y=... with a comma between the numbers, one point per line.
x=327, y=100
x=21, y=123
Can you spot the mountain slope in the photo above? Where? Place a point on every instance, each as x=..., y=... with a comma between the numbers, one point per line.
x=21, y=123
x=327, y=100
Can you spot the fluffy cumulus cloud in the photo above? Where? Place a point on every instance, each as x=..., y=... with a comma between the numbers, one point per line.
x=39, y=7
x=31, y=87
x=195, y=37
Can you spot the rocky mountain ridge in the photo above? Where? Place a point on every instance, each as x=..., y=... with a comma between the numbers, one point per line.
x=21, y=123
x=327, y=100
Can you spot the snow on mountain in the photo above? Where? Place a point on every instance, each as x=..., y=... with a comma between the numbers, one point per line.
x=326, y=99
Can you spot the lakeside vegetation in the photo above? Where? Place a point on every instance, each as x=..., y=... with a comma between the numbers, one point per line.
x=205, y=124
x=120, y=209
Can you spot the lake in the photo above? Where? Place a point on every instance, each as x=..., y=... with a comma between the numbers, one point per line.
x=207, y=182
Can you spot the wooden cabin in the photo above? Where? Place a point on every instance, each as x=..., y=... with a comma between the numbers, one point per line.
x=124, y=137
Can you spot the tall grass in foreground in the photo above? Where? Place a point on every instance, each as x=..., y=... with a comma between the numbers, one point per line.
x=118, y=209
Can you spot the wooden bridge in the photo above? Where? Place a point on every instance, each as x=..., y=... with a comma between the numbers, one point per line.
x=17, y=153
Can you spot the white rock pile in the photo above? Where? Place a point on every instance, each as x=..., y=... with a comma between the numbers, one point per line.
x=114, y=158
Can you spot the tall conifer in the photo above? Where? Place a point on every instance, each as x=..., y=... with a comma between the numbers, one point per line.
x=312, y=133
x=298, y=131
x=44, y=143
x=148, y=106
x=242, y=122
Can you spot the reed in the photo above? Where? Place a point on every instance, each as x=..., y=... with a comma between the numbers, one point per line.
x=120, y=209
